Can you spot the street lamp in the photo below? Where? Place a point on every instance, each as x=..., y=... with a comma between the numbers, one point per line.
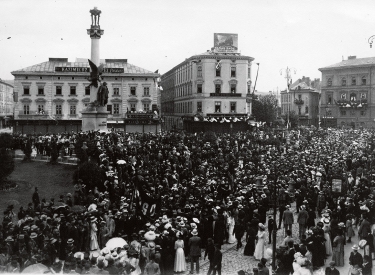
x=287, y=73
x=370, y=40
x=327, y=109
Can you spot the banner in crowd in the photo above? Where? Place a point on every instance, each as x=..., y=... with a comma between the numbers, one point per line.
x=146, y=203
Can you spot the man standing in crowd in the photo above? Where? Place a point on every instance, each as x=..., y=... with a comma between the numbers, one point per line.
x=302, y=220
x=195, y=251
x=288, y=219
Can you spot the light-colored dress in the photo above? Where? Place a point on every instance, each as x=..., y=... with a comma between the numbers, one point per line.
x=259, y=248
x=338, y=250
x=231, y=236
x=327, y=236
x=135, y=263
x=94, y=237
x=179, y=259
x=349, y=228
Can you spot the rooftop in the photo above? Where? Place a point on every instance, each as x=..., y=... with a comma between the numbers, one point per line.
x=352, y=61
x=49, y=66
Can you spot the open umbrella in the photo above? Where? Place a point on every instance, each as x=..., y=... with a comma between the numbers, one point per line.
x=78, y=209
x=115, y=242
x=35, y=269
x=59, y=204
x=121, y=161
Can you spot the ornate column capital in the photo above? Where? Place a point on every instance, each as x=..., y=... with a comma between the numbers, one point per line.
x=95, y=32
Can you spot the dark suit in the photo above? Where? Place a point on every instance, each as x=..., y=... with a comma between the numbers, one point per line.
x=288, y=220
x=215, y=265
x=302, y=221
x=364, y=229
x=195, y=252
x=355, y=259
x=333, y=271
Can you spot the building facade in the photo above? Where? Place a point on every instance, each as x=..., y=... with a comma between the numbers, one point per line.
x=302, y=100
x=6, y=103
x=347, y=89
x=52, y=95
x=210, y=91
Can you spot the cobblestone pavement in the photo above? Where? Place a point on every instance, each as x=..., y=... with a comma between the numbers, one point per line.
x=234, y=260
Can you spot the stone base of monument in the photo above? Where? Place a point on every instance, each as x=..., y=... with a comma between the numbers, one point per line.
x=94, y=119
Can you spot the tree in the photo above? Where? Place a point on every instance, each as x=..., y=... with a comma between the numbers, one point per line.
x=293, y=119
x=6, y=158
x=265, y=108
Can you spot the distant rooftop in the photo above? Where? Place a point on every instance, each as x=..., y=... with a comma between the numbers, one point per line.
x=352, y=61
x=49, y=66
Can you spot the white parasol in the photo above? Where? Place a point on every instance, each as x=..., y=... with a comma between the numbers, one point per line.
x=115, y=242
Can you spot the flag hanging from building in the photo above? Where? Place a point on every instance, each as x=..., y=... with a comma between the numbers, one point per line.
x=218, y=65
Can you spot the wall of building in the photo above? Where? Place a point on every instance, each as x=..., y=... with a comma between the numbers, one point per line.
x=331, y=94
x=180, y=97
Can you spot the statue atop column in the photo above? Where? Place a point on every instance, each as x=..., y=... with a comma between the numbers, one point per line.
x=95, y=16
x=95, y=31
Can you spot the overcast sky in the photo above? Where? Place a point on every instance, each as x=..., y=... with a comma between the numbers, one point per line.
x=159, y=34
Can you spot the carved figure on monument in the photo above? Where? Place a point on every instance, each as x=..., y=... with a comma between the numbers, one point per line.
x=95, y=16
x=102, y=96
x=95, y=74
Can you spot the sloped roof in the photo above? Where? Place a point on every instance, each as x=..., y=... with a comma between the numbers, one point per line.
x=303, y=85
x=366, y=61
x=49, y=67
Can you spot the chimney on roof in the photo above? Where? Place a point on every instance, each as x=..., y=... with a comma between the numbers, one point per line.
x=352, y=57
x=54, y=59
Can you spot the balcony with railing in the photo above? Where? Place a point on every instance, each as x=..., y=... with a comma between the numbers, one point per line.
x=299, y=101
x=225, y=95
x=345, y=103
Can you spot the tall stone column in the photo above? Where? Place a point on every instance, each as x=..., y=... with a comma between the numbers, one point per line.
x=94, y=117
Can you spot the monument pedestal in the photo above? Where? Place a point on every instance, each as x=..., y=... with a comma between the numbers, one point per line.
x=94, y=119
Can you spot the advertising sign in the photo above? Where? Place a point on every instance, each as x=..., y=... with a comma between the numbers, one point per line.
x=87, y=70
x=225, y=42
x=336, y=185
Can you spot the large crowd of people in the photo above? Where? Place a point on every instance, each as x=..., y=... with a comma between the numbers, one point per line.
x=170, y=198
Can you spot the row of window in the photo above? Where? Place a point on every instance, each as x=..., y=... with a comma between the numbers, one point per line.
x=77, y=78
x=352, y=113
x=187, y=107
x=187, y=90
x=284, y=109
x=343, y=81
x=73, y=91
x=113, y=109
x=343, y=96
x=218, y=71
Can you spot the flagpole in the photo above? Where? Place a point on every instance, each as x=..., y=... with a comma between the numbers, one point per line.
x=256, y=78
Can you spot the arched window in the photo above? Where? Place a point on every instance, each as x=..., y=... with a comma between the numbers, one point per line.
x=363, y=80
x=353, y=97
x=343, y=81
x=199, y=71
x=354, y=81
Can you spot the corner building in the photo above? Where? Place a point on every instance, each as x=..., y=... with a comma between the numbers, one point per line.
x=52, y=95
x=347, y=93
x=209, y=91
x=6, y=103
